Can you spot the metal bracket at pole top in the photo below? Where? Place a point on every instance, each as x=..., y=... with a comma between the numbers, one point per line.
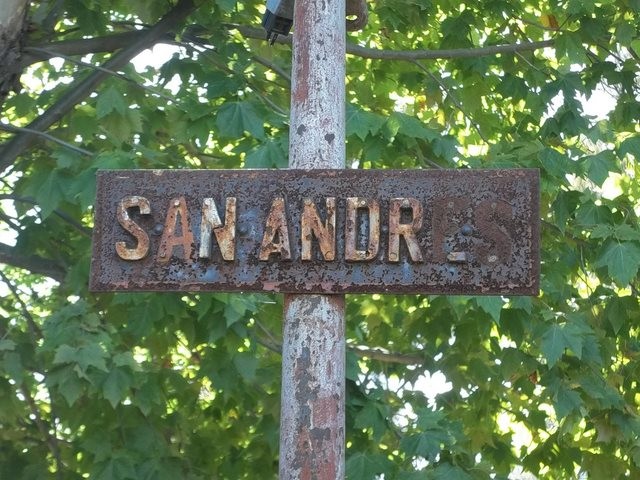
x=278, y=18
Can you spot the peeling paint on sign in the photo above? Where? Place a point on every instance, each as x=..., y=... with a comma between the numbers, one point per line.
x=323, y=231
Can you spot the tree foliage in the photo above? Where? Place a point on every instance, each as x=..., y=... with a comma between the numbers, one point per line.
x=136, y=386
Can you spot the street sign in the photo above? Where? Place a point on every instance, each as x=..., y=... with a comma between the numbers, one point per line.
x=321, y=231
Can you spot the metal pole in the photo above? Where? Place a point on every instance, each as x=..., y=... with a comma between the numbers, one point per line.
x=312, y=441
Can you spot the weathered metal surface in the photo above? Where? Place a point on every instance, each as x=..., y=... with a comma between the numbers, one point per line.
x=312, y=438
x=312, y=433
x=320, y=231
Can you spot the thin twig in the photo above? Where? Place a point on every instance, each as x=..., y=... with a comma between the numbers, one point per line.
x=267, y=332
x=526, y=60
x=272, y=66
x=86, y=231
x=10, y=221
x=207, y=53
x=33, y=263
x=78, y=91
x=13, y=129
x=453, y=99
x=103, y=69
x=50, y=439
x=268, y=101
x=34, y=329
x=379, y=354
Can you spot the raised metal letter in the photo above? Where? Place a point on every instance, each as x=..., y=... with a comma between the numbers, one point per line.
x=311, y=225
x=491, y=217
x=446, y=219
x=276, y=226
x=142, y=248
x=406, y=230
x=225, y=233
x=351, y=252
x=177, y=232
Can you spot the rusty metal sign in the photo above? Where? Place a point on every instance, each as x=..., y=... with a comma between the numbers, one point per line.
x=322, y=231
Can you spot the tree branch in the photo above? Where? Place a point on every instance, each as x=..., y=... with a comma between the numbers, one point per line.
x=44, y=428
x=11, y=128
x=121, y=76
x=83, y=46
x=271, y=343
x=410, y=55
x=33, y=263
x=386, y=356
x=34, y=328
x=110, y=43
x=83, y=88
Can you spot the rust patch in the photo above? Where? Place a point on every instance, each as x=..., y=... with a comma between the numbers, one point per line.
x=225, y=233
x=177, y=238
x=312, y=227
x=353, y=233
x=142, y=248
x=320, y=231
x=406, y=230
x=276, y=233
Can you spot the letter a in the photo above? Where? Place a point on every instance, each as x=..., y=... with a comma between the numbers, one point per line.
x=276, y=227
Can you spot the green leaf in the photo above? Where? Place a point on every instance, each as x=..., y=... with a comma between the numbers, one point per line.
x=450, y=472
x=409, y=126
x=365, y=466
x=625, y=32
x=426, y=444
x=604, y=466
x=125, y=359
x=554, y=162
x=227, y=5
x=361, y=122
x=559, y=337
x=267, y=155
x=492, y=305
x=234, y=118
x=625, y=232
x=566, y=401
x=246, y=364
x=564, y=206
x=569, y=46
x=371, y=417
x=588, y=214
x=116, y=386
x=622, y=232
x=596, y=387
x=110, y=100
x=46, y=187
x=71, y=389
x=622, y=260
x=7, y=345
x=119, y=468
x=598, y=166
x=12, y=365
x=66, y=158
x=65, y=354
x=620, y=312
x=91, y=355
x=220, y=84
x=630, y=146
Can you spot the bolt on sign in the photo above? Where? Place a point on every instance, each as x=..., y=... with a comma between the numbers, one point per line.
x=321, y=231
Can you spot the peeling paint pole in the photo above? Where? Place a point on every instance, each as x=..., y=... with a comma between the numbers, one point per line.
x=312, y=441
